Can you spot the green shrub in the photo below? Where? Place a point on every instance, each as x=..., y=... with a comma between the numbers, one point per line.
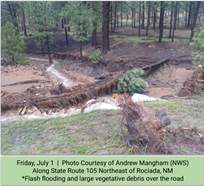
x=95, y=57
x=198, y=46
x=131, y=82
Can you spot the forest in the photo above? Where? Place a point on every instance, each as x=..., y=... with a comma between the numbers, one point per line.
x=115, y=75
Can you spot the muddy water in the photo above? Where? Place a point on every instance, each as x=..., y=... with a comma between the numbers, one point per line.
x=167, y=80
x=12, y=115
x=66, y=82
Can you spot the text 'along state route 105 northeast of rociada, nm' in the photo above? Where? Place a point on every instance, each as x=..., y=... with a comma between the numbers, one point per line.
x=103, y=171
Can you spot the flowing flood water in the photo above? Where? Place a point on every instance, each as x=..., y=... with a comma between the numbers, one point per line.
x=12, y=115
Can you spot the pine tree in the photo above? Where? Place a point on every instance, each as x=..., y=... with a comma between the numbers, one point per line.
x=81, y=21
x=43, y=22
x=12, y=45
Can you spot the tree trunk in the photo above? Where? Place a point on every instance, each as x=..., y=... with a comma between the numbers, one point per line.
x=68, y=29
x=115, y=15
x=94, y=36
x=24, y=24
x=105, y=29
x=111, y=17
x=65, y=29
x=139, y=16
x=161, y=21
x=13, y=15
x=175, y=16
x=48, y=50
x=155, y=18
x=12, y=59
x=42, y=49
x=121, y=15
x=127, y=20
x=171, y=19
x=186, y=17
x=178, y=18
x=194, y=20
x=189, y=14
x=81, y=49
x=132, y=19
x=143, y=15
x=62, y=24
x=148, y=18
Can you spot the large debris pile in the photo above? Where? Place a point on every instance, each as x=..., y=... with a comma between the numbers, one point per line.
x=71, y=96
x=193, y=85
x=144, y=132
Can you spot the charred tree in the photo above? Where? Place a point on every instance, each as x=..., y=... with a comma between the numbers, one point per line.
x=105, y=28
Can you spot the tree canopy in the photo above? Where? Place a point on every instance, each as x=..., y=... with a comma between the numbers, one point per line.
x=12, y=45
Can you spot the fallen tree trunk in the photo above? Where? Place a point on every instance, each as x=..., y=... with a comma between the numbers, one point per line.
x=157, y=62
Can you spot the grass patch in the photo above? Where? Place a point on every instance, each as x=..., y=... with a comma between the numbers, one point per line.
x=92, y=133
